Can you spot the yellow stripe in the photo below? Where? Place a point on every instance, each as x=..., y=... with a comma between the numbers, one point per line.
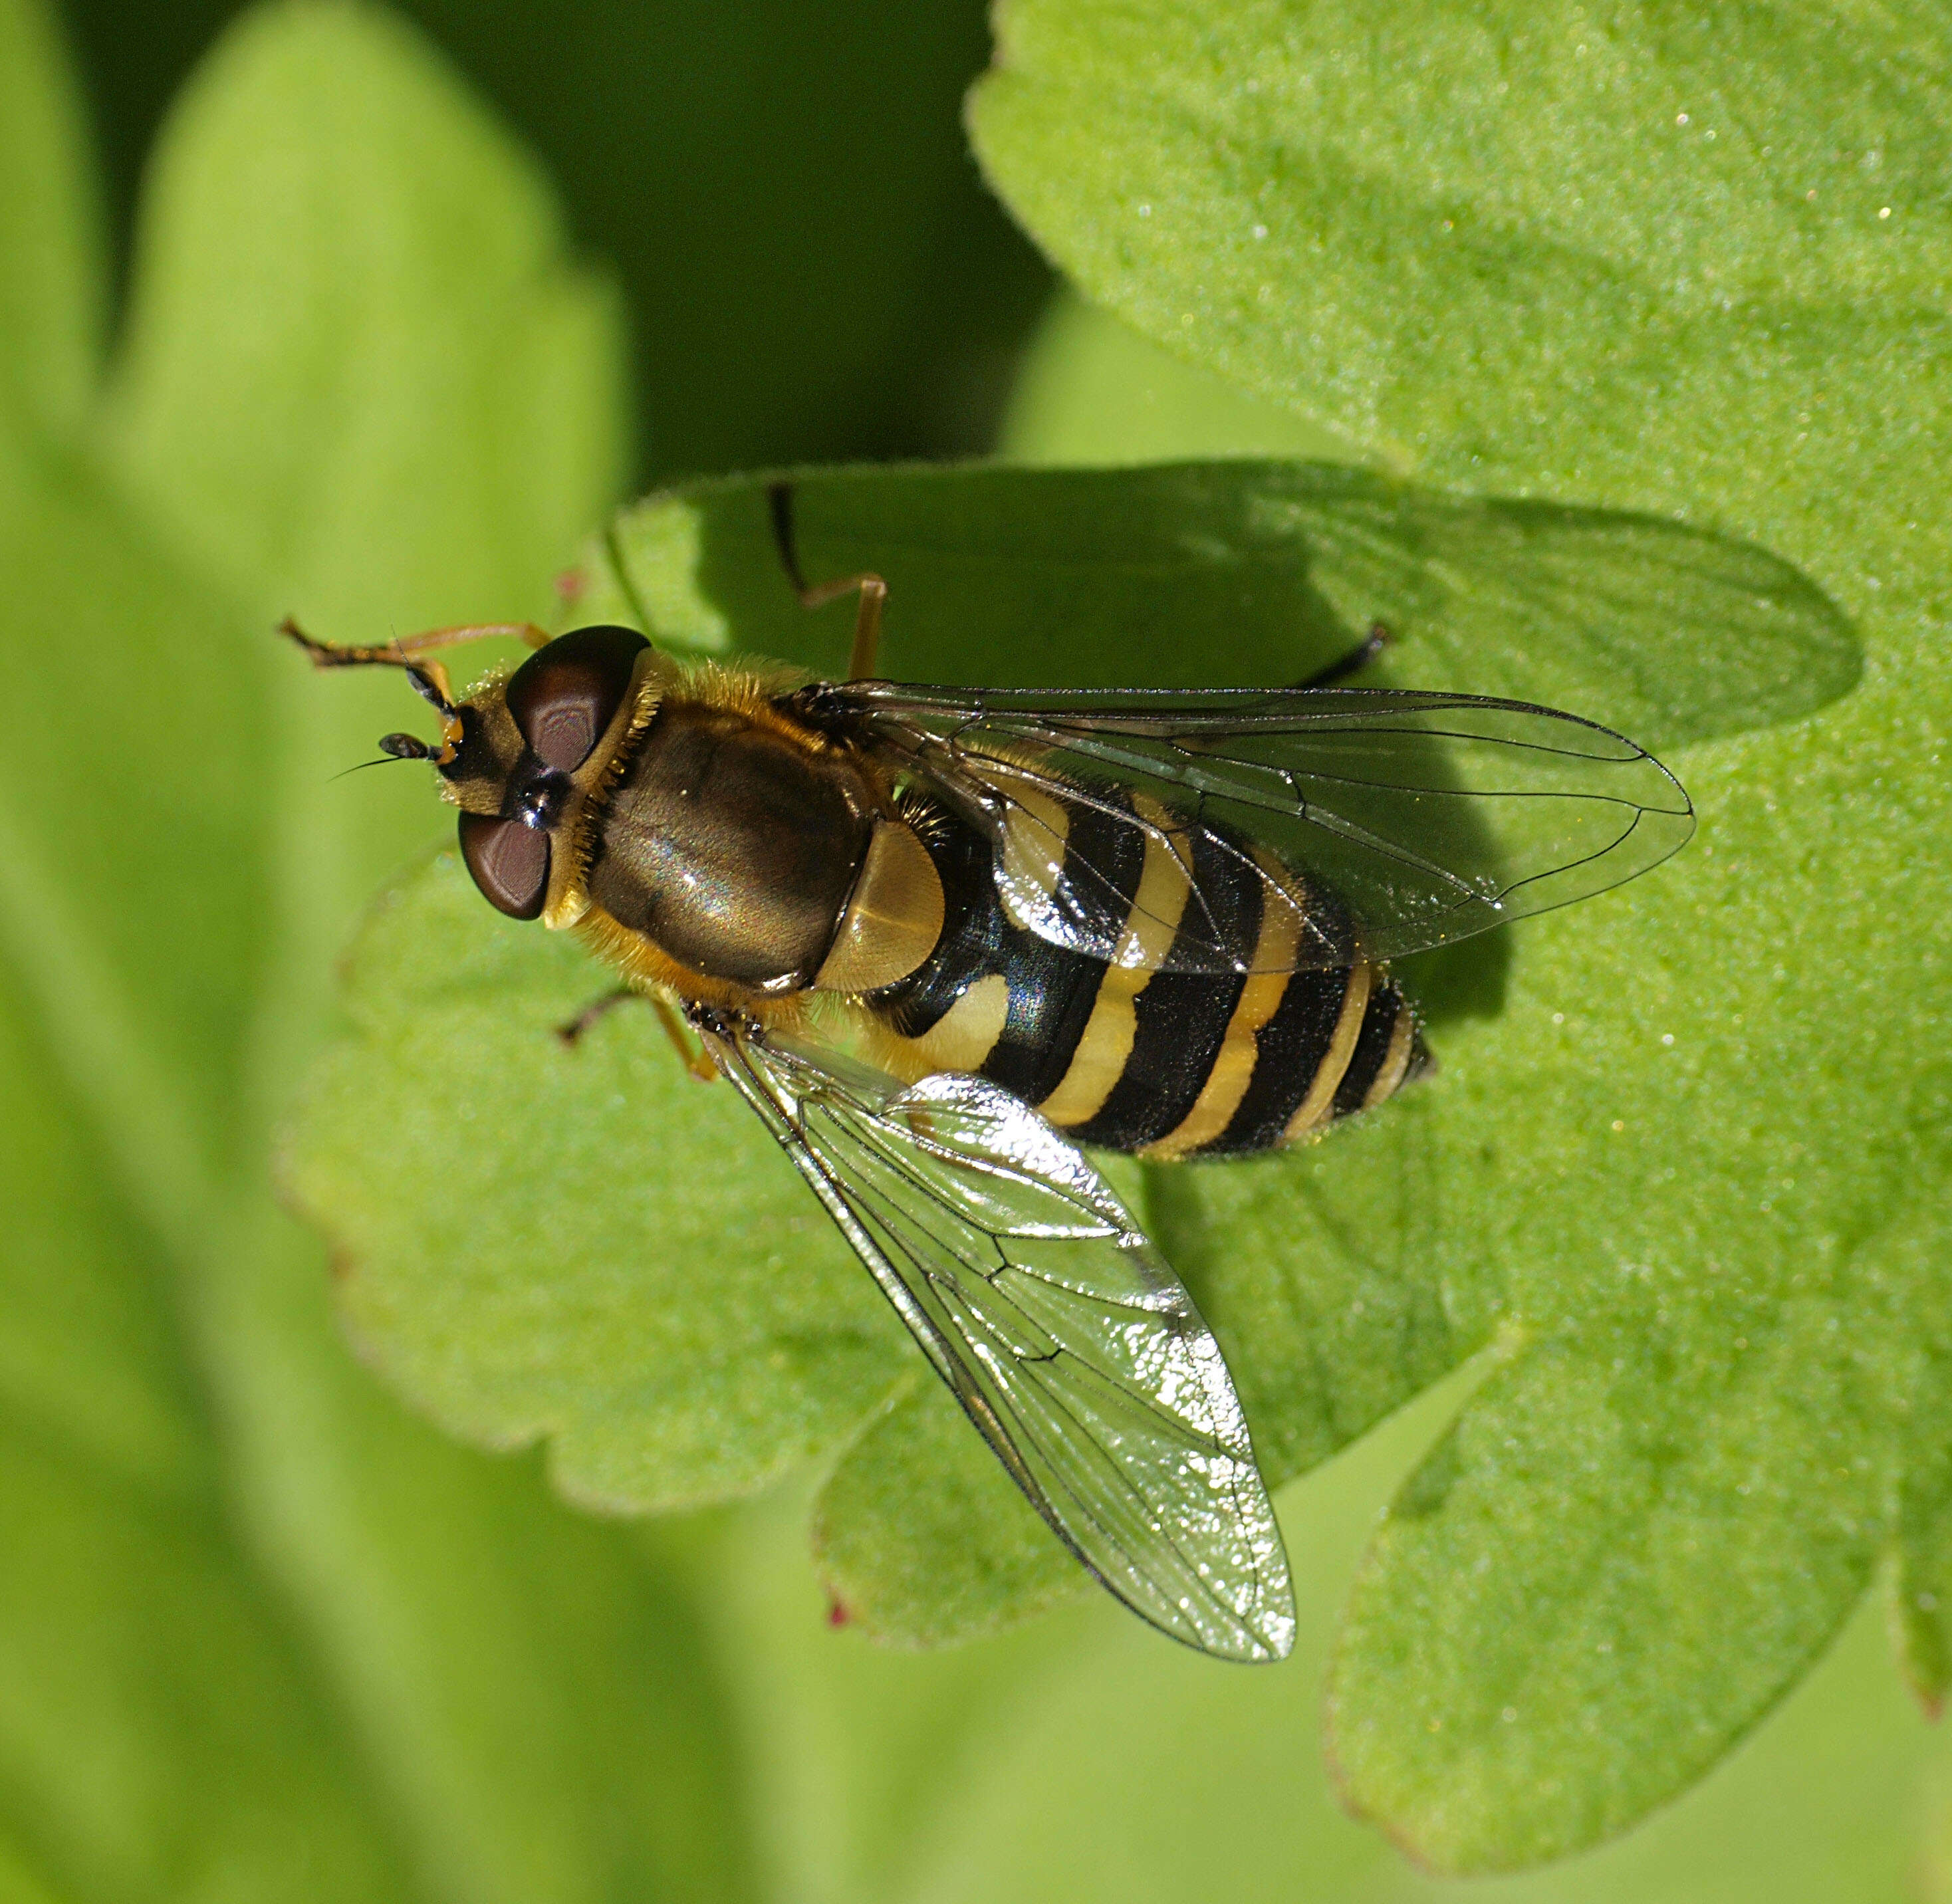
x=1396, y=1060
x=1034, y=835
x=963, y=1036
x=1099, y=1062
x=1153, y=921
x=1151, y=924
x=1233, y=1067
x=1313, y=1111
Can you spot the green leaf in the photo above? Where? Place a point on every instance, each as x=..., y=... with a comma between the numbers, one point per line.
x=915, y=1541
x=1496, y=244
x=463, y=454
x=1129, y=1768
x=266, y=1635
x=580, y=1243
x=1152, y=1770
x=813, y=267
x=1645, y=262
x=1922, y=1580
x=1089, y=392
x=1088, y=577
x=160, y=1724
x=611, y=1272
x=1242, y=571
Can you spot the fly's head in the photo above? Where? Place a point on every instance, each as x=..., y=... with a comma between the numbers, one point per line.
x=521, y=757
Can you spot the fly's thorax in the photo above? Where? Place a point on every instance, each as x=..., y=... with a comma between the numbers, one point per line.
x=894, y=915
x=741, y=854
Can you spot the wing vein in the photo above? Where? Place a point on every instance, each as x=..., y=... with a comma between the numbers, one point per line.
x=1072, y=1348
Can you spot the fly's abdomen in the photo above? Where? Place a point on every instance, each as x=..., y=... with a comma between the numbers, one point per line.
x=1337, y=1041
x=1128, y=1053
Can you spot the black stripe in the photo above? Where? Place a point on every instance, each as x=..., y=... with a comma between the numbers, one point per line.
x=1288, y=1052
x=1181, y=1016
x=1289, y=1049
x=1372, y=1045
x=1052, y=993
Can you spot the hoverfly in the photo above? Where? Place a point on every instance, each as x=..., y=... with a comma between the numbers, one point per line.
x=938, y=939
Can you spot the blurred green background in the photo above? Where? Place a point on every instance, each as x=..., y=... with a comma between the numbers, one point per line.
x=813, y=270
x=260, y=1634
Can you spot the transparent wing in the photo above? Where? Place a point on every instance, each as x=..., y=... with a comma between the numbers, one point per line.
x=1408, y=820
x=1066, y=1337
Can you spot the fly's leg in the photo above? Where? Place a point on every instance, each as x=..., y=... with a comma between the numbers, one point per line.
x=429, y=678
x=403, y=654
x=693, y=1058
x=696, y=1059
x=1358, y=658
x=873, y=591
x=571, y=1032
x=395, y=654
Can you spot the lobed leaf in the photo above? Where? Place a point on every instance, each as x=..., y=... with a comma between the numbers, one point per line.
x=1497, y=242
x=581, y=1243
x=638, y=1277
x=1150, y=1770
x=1669, y=264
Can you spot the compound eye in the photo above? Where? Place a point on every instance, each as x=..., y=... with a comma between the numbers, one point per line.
x=510, y=862
x=564, y=695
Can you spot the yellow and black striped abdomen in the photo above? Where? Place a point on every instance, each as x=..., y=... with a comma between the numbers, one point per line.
x=1122, y=1053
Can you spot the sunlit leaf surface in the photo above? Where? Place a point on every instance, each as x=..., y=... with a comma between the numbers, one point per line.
x=1693, y=1179
x=625, y=1266
x=264, y=1635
